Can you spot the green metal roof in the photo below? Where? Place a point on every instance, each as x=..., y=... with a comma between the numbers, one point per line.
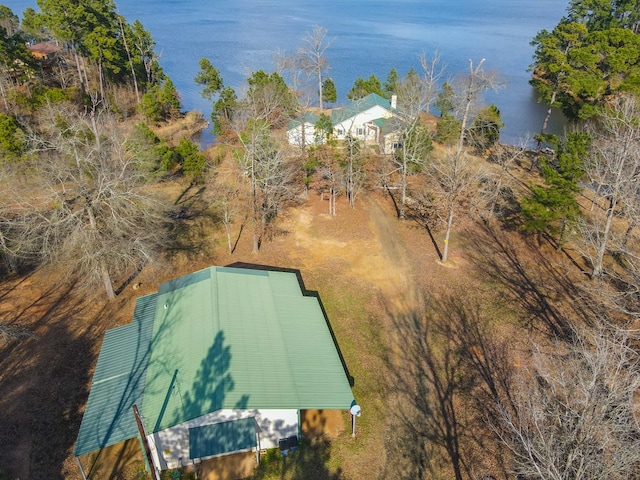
x=118, y=381
x=308, y=117
x=221, y=438
x=239, y=338
x=339, y=115
x=217, y=338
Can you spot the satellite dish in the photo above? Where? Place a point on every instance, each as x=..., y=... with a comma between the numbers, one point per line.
x=355, y=410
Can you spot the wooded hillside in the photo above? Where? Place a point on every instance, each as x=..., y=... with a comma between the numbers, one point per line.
x=485, y=295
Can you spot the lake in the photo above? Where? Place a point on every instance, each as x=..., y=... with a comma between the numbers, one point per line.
x=369, y=37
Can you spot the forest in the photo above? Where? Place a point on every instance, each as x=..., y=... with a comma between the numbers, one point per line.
x=509, y=350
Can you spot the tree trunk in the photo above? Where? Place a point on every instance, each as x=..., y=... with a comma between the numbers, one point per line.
x=102, y=266
x=256, y=241
x=596, y=194
x=604, y=240
x=103, y=96
x=403, y=191
x=133, y=71
x=320, y=88
x=563, y=233
x=83, y=87
x=4, y=95
x=350, y=182
x=494, y=200
x=332, y=201
x=445, y=250
x=632, y=225
x=254, y=199
x=106, y=281
x=226, y=227
x=545, y=122
x=84, y=72
x=256, y=238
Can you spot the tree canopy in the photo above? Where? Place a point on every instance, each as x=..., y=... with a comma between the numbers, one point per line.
x=549, y=207
x=361, y=88
x=209, y=77
x=592, y=54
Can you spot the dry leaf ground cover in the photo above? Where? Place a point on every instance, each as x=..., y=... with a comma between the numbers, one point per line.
x=366, y=267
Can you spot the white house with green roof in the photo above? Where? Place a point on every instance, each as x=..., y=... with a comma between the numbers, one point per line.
x=219, y=361
x=362, y=118
x=367, y=119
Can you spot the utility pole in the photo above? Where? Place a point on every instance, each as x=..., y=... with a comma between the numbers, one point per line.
x=145, y=443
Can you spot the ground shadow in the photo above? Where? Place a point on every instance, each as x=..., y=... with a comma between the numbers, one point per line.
x=530, y=277
x=393, y=200
x=309, y=462
x=44, y=379
x=190, y=195
x=445, y=379
x=189, y=223
x=424, y=222
x=426, y=424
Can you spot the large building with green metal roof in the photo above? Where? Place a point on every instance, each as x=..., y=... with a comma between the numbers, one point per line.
x=218, y=361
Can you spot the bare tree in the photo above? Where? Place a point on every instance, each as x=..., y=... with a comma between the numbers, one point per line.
x=497, y=182
x=266, y=106
x=270, y=174
x=331, y=175
x=575, y=413
x=313, y=54
x=294, y=66
x=353, y=171
x=226, y=185
x=468, y=93
x=454, y=174
x=613, y=168
x=85, y=205
x=456, y=179
x=415, y=94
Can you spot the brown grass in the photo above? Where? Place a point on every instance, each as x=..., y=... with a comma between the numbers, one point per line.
x=367, y=267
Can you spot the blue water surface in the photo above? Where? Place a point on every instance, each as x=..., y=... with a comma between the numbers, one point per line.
x=368, y=37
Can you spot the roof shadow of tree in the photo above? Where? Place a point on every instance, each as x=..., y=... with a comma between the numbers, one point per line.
x=145, y=306
x=444, y=377
x=208, y=392
x=213, y=382
x=44, y=379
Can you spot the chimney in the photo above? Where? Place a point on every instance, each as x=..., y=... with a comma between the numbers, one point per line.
x=394, y=101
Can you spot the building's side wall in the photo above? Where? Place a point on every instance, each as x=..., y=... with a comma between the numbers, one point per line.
x=172, y=444
x=390, y=141
x=295, y=135
x=356, y=124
